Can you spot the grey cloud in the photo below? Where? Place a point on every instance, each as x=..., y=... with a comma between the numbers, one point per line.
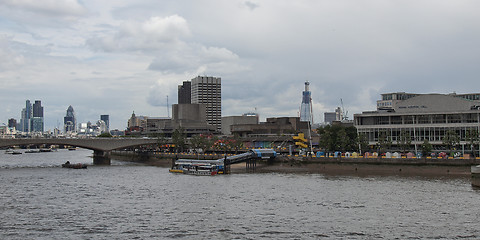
x=152, y=35
x=251, y=5
x=47, y=8
x=9, y=58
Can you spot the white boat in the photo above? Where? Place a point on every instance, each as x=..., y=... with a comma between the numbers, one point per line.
x=11, y=151
x=197, y=167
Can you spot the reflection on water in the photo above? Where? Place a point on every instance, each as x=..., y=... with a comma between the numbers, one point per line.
x=41, y=200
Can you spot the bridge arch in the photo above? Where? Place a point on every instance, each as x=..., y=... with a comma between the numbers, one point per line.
x=101, y=146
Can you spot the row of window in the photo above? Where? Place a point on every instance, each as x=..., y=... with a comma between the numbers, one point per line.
x=416, y=134
x=419, y=119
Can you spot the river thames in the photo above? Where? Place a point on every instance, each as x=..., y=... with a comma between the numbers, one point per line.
x=41, y=200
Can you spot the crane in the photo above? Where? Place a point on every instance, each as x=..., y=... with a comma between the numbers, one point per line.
x=344, y=114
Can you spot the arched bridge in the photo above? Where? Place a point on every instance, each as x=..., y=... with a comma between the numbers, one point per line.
x=101, y=146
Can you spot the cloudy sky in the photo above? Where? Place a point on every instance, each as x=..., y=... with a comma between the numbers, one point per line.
x=116, y=57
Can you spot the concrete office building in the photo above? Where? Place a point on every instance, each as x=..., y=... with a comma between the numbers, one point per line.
x=208, y=91
x=190, y=118
x=273, y=126
x=423, y=116
x=330, y=117
x=228, y=122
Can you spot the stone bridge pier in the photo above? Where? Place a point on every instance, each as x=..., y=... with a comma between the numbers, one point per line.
x=101, y=157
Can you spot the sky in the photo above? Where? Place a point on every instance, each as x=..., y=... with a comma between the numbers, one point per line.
x=119, y=57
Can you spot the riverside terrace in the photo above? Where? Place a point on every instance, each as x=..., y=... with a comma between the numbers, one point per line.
x=101, y=146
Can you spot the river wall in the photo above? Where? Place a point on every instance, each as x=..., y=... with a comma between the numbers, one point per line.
x=425, y=167
x=149, y=156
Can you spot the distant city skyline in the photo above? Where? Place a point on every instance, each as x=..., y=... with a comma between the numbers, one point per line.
x=117, y=57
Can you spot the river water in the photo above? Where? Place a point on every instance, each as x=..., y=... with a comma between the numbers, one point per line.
x=41, y=200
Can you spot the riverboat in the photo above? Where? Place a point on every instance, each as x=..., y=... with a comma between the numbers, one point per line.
x=197, y=167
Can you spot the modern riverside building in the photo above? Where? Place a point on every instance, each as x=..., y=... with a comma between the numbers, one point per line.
x=421, y=116
x=208, y=91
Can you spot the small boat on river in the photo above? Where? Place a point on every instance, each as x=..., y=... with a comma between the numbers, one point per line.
x=32, y=151
x=74, y=166
x=13, y=152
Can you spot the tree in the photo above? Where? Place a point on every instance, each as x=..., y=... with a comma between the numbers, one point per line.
x=384, y=141
x=161, y=140
x=234, y=143
x=405, y=141
x=472, y=138
x=197, y=142
x=105, y=135
x=426, y=147
x=342, y=140
x=338, y=138
x=451, y=140
x=362, y=143
x=326, y=139
x=178, y=138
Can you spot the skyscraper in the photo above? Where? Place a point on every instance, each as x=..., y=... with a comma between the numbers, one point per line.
x=185, y=93
x=208, y=91
x=26, y=116
x=12, y=123
x=69, y=121
x=306, y=107
x=37, y=119
x=106, y=119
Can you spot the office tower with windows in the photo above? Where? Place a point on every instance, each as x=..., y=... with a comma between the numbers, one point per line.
x=26, y=116
x=185, y=93
x=106, y=119
x=37, y=117
x=208, y=91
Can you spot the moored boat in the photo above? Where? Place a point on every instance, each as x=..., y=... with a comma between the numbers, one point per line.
x=197, y=167
x=32, y=151
x=13, y=152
